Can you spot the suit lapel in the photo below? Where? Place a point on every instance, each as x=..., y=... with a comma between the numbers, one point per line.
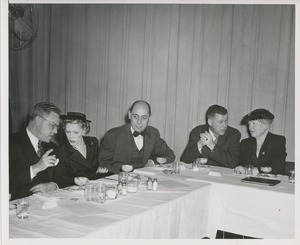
x=147, y=145
x=29, y=150
x=90, y=149
x=76, y=156
x=128, y=147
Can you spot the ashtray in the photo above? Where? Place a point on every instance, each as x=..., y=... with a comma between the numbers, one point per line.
x=168, y=171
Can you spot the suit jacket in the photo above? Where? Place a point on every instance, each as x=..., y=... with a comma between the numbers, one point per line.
x=117, y=144
x=224, y=154
x=272, y=153
x=72, y=164
x=21, y=156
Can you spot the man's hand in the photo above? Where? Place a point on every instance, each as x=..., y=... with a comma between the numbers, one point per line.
x=45, y=162
x=44, y=187
x=102, y=170
x=240, y=170
x=150, y=163
x=207, y=139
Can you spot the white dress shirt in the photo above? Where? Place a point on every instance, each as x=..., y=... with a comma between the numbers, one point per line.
x=139, y=140
x=34, y=141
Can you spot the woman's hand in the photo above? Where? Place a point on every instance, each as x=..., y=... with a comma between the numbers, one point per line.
x=102, y=170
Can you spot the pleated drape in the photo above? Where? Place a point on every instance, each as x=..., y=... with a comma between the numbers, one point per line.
x=181, y=58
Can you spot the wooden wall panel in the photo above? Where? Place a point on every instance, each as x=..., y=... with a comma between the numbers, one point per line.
x=98, y=59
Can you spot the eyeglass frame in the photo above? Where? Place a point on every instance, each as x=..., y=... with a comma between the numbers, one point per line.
x=53, y=125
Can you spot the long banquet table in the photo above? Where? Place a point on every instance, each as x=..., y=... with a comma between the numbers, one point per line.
x=189, y=205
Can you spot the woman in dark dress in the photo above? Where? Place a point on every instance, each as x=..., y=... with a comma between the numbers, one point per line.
x=78, y=156
x=262, y=148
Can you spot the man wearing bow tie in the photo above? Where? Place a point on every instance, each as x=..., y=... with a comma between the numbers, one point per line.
x=135, y=143
x=215, y=140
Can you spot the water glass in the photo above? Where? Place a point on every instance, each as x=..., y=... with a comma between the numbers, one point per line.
x=22, y=209
x=132, y=185
x=195, y=165
x=89, y=191
x=292, y=176
x=249, y=170
x=99, y=194
x=112, y=192
x=123, y=177
x=176, y=167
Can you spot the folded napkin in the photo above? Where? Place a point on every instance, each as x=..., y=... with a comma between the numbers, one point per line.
x=50, y=204
x=212, y=173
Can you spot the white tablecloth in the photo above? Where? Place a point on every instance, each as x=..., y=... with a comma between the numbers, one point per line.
x=243, y=208
x=175, y=210
x=189, y=205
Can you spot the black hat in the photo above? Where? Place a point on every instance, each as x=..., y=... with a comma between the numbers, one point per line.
x=258, y=114
x=75, y=116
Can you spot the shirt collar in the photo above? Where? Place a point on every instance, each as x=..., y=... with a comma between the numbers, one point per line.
x=34, y=140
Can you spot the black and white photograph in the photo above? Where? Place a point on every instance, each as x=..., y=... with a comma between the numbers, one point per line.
x=149, y=121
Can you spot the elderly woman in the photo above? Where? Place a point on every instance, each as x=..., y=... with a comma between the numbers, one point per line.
x=78, y=155
x=262, y=148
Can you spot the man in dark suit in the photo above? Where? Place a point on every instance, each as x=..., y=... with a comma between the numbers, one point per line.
x=31, y=153
x=262, y=148
x=135, y=143
x=215, y=140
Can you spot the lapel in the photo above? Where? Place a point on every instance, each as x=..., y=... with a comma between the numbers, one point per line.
x=75, y=155
x=264, y=148
x=252, y=150
x=28, y=148
x=128, y=147
x=148, y=142
x=91, y=149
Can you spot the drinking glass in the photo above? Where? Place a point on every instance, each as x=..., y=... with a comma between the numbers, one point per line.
x=292, y=176
x=265, y=170
x=99, y=194
x=81, y=181
x=249, y=170
x=161, y=161
x=123, y=177
x=22, y=209
x=89, y=191
x=195, y=165
x=132, y=185
x=112, y=192
x=176, y=167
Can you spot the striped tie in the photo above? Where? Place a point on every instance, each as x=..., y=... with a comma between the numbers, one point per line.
x=40, y=152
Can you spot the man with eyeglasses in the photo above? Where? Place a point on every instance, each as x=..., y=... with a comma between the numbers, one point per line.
x=31, y=153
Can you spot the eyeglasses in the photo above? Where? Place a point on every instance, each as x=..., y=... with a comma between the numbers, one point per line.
x=53, y=125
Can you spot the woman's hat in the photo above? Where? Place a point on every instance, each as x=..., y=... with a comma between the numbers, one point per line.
x=256, y=115
x=75, y=116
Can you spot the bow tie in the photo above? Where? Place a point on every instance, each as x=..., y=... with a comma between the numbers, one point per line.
x=136, y=134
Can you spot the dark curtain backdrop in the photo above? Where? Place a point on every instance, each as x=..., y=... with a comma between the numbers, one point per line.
x=98, y=59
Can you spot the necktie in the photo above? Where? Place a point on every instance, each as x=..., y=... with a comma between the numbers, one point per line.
x=136, y=134
x=40, y=152
x=216, y=140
